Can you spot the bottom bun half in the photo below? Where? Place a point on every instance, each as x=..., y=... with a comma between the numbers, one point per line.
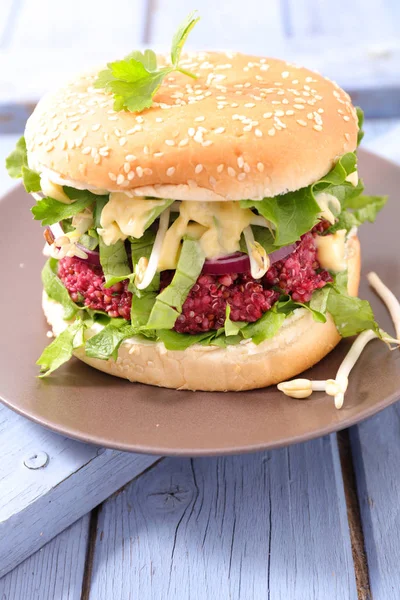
x=300, y=343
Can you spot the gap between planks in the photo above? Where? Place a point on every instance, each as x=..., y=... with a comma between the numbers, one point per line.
x=94, y=517
x=353, y=516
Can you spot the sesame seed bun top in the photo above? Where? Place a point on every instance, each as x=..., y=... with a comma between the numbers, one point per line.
x=248, y=127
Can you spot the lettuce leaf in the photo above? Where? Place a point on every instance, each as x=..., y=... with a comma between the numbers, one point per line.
x=295, y=213
x=173, y=340
x=60, y=350
x=114, y=262
x=55, y=289
x=168, y=304
x=358, y=210
x=17, y=167
x=232, y=328
x=265, y=328
x=350, y=314
x=105, y=344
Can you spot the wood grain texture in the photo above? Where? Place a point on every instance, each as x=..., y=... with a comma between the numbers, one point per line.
x=376, y=453
x=35, y=505
x=268, y=525
x=53, y=573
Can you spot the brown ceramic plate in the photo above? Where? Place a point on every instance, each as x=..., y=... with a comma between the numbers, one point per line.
x=83, y=403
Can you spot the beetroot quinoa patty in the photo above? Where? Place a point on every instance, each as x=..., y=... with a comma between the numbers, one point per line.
x=299, y=275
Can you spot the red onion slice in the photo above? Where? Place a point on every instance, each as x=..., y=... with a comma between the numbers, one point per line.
x=240, y=263
x=93, y=257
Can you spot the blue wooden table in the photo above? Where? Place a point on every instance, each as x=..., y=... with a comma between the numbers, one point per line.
x=316, y=521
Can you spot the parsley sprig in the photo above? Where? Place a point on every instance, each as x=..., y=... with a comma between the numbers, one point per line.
x=135, y=80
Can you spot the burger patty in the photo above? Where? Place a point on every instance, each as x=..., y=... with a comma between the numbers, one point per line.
x=299, y=275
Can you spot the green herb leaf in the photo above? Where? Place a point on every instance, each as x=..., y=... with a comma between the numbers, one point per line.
x=114, y=262
x=135, y=80
x=51, y=211
x=143, y=300
x=181, y=35
x=60, y=350
x=168, y=304
x=31, y=180
x=105, y=344
x=56, y=291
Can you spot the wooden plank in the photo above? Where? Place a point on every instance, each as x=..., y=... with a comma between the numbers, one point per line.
x=264, y=525
x=53, y=573
x=41, y=497
x=376, y=455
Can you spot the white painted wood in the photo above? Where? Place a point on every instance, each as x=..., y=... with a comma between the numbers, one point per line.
x=6, y=7
x=87, y=24
x=266, y=525
x=53, y=573
x=226, y=24
x=36, y=504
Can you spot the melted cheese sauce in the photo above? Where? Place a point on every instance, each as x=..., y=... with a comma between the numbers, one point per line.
x=124, y=216
x=218, y=226
x=53, y=190
x=331, y=251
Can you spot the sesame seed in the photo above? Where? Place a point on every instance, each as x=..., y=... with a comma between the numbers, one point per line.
x=260, y=167
x=191, y=131
x=247, y=128
x=317, y=127
x=258, y=132
x=122, y=141
x=271, y=131
x=241, y=176
x=130, y=157
x=112, y=177
x=231, y=172
x=113, y=118
x=184, y=142
x=140, y=119
x=285, y=74
x=146, y=150
x=170, y=142
x=347, y=136
x=127, y=167
x=279, y=113
x=249, y=105
x=139, y=172
x=96, y=127
x=120, y=179
x=158, y=154
x=264, y=67
x=159, y=119
x=234, y=104
x=298, y=106
x=170, y=171
x=303, y=123
x=346, y=118
x=219, y=130
x=198, y=168
x=97, y=159
x=276, y=102
x=213, y=181
x=199, y=119
x=131, y=175
x=87, y=150
x=246, y=168
x=267, y=115
x=207, y=143
x=240, y=162
x=220, y=168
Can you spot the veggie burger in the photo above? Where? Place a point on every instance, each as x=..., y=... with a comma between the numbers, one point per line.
x=201, y=215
